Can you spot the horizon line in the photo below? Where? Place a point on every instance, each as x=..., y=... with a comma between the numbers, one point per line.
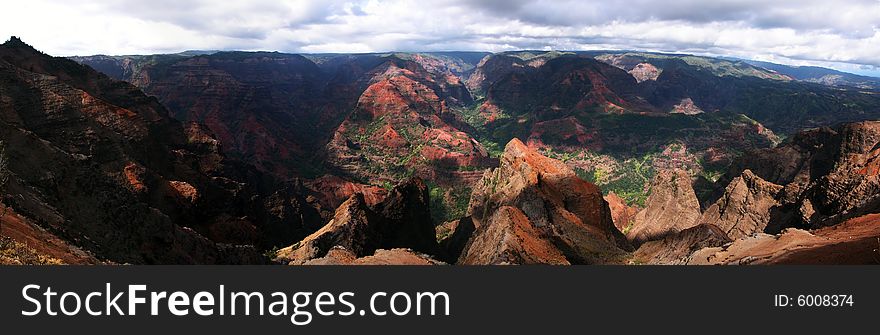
x=670, y=53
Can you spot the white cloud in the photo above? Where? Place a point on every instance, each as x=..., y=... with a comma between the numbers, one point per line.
x=843, y=34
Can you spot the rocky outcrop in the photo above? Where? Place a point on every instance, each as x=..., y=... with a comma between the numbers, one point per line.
x=545, y=204
x=105, y=167
x=350, y=228
x=824, y=176
x=289, y=213
x=622, y=214
x=671, y=207
x=640, y=69
x=509, y=238
x=402, y=220
x=407, y=217
x=644, y=72
x=183, y=191
x=822, y=180
x=851, y=186
x=453, y=237
x=686, y=107
x=854, y=241
x=333, y=190
x=341, y=256
x=676, y=249
x=746, y=207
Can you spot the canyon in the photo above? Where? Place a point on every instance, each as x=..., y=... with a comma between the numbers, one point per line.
x=470, y=158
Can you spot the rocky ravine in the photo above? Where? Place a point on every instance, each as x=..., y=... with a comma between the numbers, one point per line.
x=402, y=220
x=810, y=200
x=104, y=167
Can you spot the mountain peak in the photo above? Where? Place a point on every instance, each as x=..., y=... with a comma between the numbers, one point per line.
x=545, y=202
x=17, y=49
x=15, y=41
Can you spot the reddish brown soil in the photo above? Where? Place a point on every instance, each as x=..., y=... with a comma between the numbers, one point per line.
x=333, y=190
x=24, y=231
x=856, y=241
x=622, y=214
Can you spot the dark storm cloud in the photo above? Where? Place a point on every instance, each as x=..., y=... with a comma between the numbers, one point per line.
x=797, y=14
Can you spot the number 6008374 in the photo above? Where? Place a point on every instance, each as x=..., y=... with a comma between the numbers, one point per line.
x=814, y=300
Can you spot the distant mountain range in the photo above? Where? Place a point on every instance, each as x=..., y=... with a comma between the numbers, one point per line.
x=822, y=75
x=377, y=118
x=469, y=60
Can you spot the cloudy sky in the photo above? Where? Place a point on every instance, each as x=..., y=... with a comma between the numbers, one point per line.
x=840, y=34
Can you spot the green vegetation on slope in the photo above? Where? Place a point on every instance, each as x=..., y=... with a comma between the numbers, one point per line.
x=448, y=203
x=629, y=179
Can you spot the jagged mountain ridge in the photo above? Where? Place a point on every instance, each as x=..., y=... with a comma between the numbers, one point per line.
x=103, y=166
x=560, y=100
x=812, y=199
x=820, y=75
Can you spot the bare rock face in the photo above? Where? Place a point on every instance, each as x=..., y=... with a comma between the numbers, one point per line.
x=640, y=70
x=341, y=256
x=509, y=238
x=407, y=219
x=184, y=191
x=671, y=207
x=829, y=174
x=453, y=237
x=676, y=249
x=808, y=201
x=644, y=72
x=349, y=228
x=561, y=209
x=622, y=214
x=854, y=241
x=852, y=186
x=333, y=190
x=745, y=208
x=686, y=107
x=402, y=220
